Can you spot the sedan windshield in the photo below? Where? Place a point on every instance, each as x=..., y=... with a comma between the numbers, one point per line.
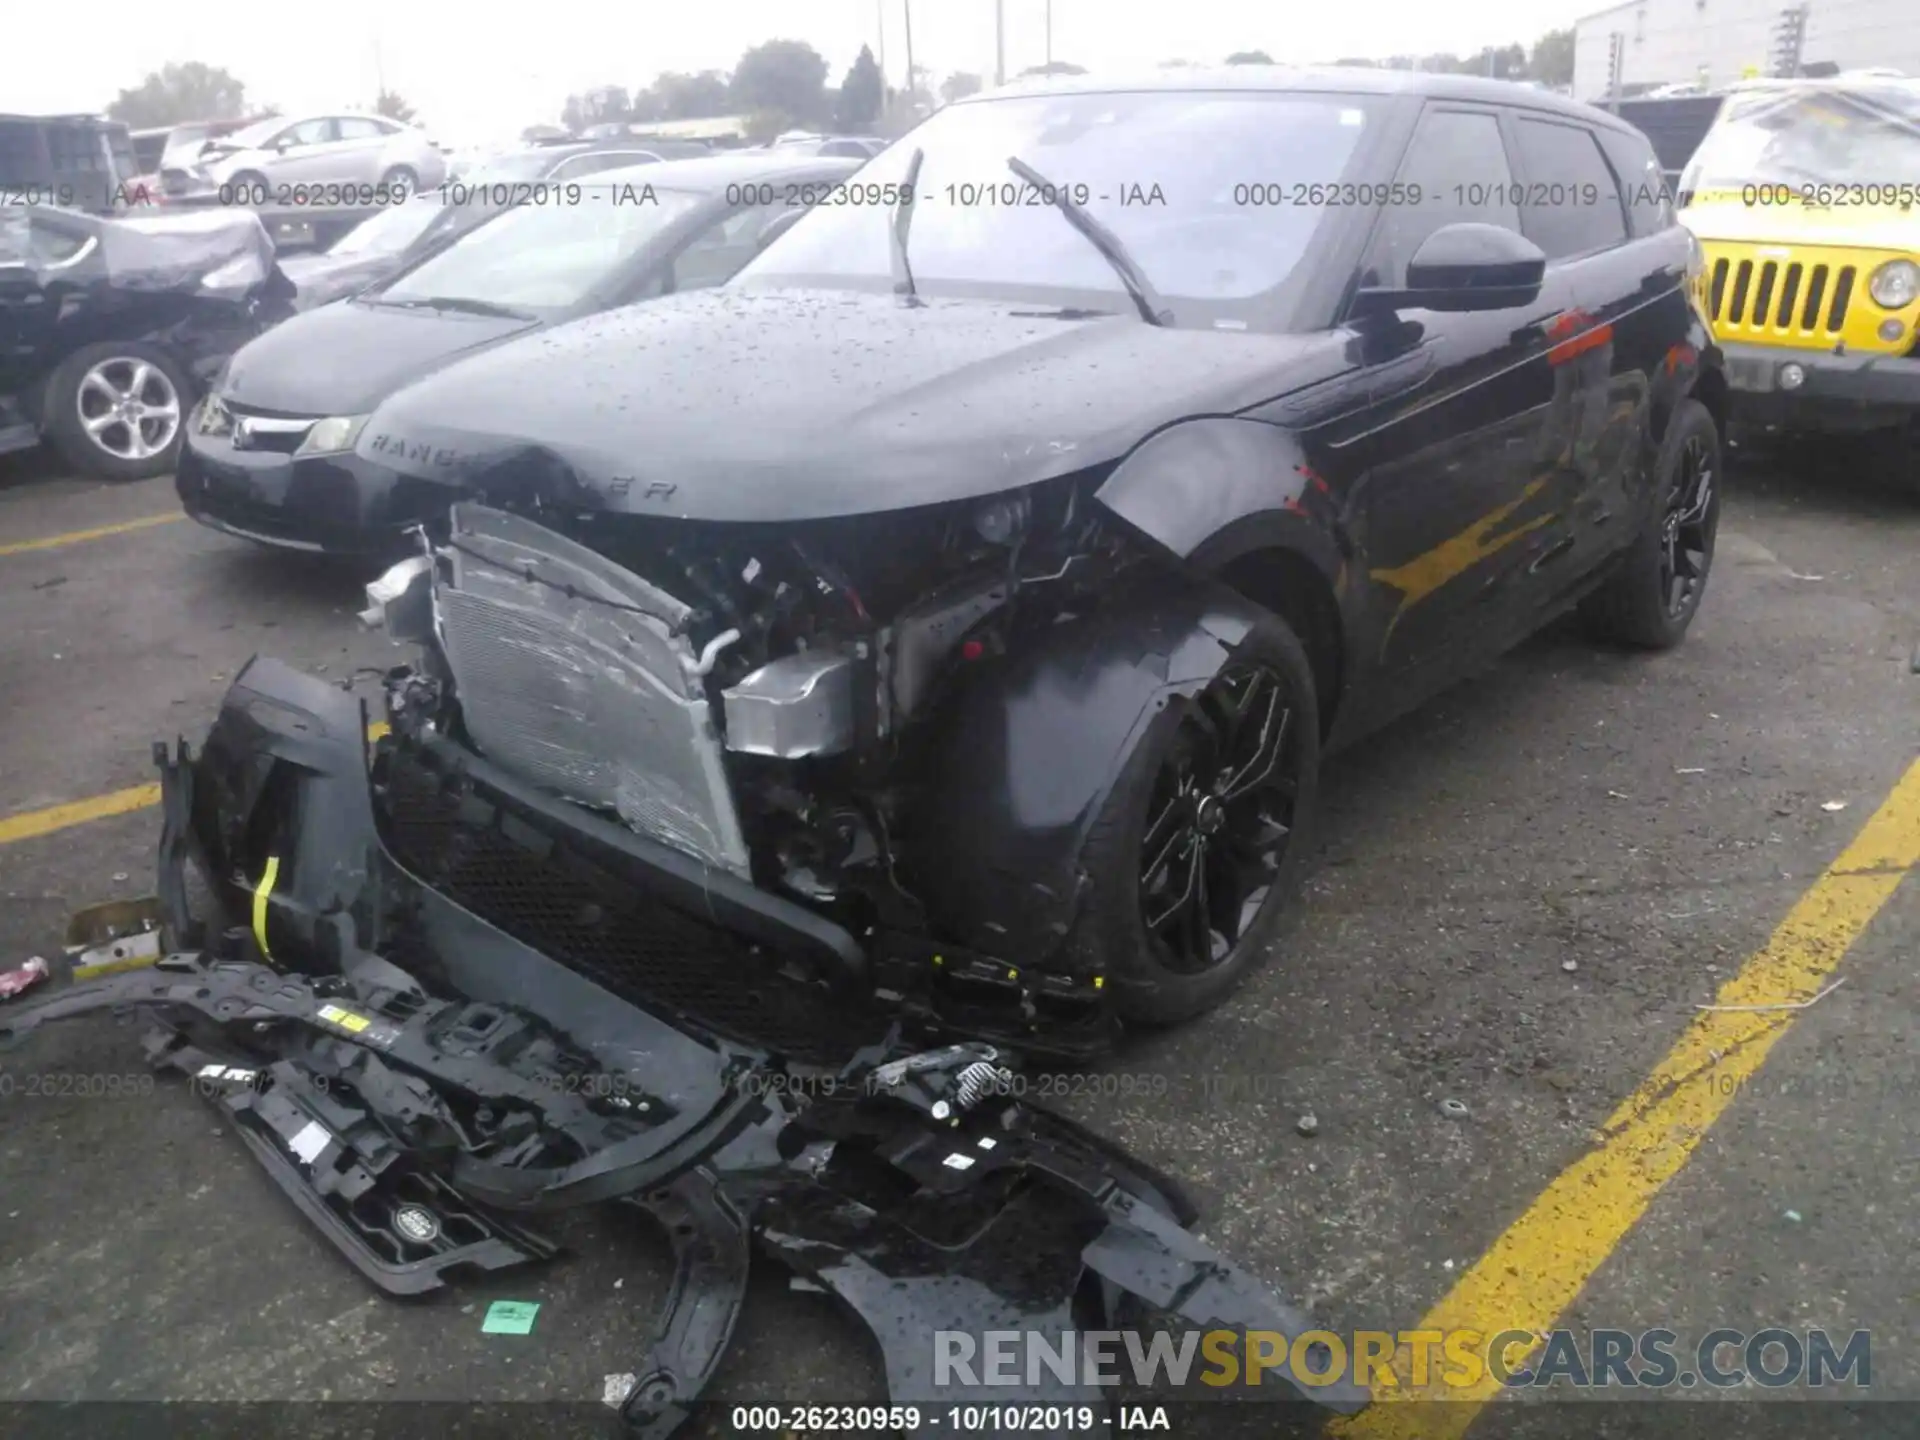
x=1198, y=187
x=256, y=134
x=392, y=230
x=545, y=257
x=1794, y=135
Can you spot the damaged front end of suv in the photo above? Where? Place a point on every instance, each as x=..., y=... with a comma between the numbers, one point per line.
x=957, y=764
x=424, y=1082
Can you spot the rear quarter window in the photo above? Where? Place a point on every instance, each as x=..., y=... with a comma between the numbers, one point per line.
x=1649, y=194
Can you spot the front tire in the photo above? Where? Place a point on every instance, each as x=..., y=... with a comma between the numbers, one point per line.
x=1649, y=602
x=1196, y=853
x=117, y=410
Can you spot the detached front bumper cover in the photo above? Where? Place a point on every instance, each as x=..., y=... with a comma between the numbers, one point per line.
x=422, y=1132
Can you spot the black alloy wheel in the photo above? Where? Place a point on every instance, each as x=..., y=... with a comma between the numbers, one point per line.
x=1650, y=596
x=1220, y=818
x=1687, y=529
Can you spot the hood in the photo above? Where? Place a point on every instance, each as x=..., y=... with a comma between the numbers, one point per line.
x=345, y=359
x=784, y=404
x=320, y=278
x=1865, y=227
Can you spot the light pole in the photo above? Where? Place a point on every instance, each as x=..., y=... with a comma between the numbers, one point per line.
x=1049, y=37
x=906, y=11
x=999, y=42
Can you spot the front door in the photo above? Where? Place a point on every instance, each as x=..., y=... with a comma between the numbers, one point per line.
x=1453, y=509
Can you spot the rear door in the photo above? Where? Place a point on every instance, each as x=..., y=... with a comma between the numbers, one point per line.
x=1452, y=507
x=1606, y=347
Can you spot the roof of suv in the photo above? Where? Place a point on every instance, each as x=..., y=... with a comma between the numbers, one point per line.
x=1332, y=79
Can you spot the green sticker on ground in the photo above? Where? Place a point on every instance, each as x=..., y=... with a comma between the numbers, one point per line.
x=510, y=1317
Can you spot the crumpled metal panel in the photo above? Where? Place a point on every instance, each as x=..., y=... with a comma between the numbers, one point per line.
x=571, y=673
x=222, y=254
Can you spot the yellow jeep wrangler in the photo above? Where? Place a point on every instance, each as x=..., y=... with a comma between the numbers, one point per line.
x=1805, y=197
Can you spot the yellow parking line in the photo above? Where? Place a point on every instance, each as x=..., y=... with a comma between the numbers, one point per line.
x=1534, y=1270
x=31, y=824
x=99, y=532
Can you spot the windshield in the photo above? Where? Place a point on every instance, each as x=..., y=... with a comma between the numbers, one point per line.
x=546, y=257
x=1863, y=134
x=255, y=134
x=1177, y=177
x=392, y=230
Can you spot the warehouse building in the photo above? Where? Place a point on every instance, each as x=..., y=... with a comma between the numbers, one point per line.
x=1646, y=45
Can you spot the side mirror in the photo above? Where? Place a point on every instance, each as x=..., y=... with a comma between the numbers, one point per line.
x=1464, y=267
x=776, y=227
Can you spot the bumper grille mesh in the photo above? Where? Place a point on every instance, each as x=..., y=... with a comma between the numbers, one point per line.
x=532, y=885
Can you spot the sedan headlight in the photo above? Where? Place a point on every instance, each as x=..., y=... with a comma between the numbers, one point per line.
x=1895, y=284
x=214, y=417
x=332, y=435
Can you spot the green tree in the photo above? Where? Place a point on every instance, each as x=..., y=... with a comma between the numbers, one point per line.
x=1249, y=57
x=862, y=93
x=1551, y=62
x=176, y=93
x=786, y=77
x=394, y=108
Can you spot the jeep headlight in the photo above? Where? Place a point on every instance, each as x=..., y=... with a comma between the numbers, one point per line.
x=214, y=417
x=332, y=435
x=1895, y=284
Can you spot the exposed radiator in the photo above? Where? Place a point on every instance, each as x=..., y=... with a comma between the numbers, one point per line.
x=574, y=674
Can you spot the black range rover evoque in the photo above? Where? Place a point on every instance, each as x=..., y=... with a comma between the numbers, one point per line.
x=952, y=611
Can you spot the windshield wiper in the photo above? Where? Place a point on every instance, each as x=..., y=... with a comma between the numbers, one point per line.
x=1103, y=240
x=903, y=208
x=461, y=304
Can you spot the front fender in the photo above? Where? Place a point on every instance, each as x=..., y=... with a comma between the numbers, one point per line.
x=1212, y=489
x=1030, y=750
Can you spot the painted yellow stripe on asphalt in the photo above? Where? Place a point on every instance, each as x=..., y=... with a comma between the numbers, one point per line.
x=99, y=532
x=31, y=824
x=1534, y=1270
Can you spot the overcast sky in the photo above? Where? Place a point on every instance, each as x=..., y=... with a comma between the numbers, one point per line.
x=480, y=72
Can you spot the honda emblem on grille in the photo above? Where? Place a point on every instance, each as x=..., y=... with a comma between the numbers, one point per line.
x=243, y=434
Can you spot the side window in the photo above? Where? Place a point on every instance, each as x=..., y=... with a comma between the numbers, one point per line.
x=357, y=127
x=1573, y=201
x=1459, y=161
x=1649, y=194
x=307, y=132
x=722, y=248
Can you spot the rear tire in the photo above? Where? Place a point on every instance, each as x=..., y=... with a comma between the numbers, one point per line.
x=401, y=182
x=1651, y=599
x=1245, y=878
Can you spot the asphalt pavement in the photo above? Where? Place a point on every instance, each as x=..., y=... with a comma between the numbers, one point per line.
x=1522, y=894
